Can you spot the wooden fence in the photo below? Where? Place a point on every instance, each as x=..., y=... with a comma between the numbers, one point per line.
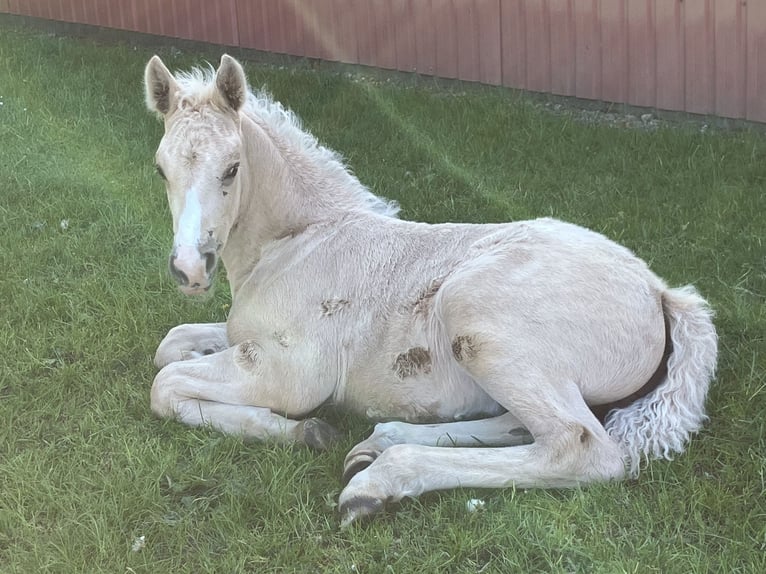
x=701, y=56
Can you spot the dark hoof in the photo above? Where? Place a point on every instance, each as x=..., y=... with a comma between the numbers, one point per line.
x=319, y=435
x=359, y=462
x=359, y=508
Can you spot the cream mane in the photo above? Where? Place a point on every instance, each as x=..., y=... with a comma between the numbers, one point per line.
x=197, y=87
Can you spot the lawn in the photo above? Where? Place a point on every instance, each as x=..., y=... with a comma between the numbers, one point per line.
x=90, y=481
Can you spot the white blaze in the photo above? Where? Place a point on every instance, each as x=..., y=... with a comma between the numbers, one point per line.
x=190, y=222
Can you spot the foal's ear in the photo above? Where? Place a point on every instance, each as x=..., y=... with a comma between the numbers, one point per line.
x=160, y=86
x=231, y=83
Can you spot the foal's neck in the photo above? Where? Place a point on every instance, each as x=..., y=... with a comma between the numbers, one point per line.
x=284, y=190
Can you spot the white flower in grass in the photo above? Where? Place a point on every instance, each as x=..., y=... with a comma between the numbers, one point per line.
x=64, y=224
x=138, y=544
x=475, y=505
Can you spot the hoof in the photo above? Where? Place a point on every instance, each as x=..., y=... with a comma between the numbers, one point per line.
x=359, y=508
x=319, y=435
x=357, y=464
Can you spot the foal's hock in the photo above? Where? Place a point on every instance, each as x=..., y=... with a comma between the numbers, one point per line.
x=488, y=344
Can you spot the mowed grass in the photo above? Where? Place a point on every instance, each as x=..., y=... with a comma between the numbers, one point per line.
x=86, y=470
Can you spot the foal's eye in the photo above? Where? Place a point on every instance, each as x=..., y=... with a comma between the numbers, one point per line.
x=160, y=172
x=229, y=174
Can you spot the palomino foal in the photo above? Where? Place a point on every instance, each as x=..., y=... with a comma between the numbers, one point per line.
x=499, y=336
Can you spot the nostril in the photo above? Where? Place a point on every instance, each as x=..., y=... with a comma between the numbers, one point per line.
x=177, y=274
x=210, y=261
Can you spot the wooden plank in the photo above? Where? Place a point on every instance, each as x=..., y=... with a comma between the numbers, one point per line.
x=587, y=49
x=4, y=6
x=756, y=61
x=404, y=30
x=562, y=47
x=670, y=56
x=250, y=24
x=365, y=32
x=425, y=36
x=467, y=40
x=292, y=29
x=490, y=44
x=642, y=71
x=446, y=40
x=513, y=43
x=730, y=63
x=153, y=16
x=538, y=34
x=385, y=35
x=312, y=35
x=345, y=31
x=614, y=50
x=699, y=54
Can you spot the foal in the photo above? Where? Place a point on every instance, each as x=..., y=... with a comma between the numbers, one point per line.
x=498, y=336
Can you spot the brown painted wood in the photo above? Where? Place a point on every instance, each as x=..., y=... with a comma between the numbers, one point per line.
x=538, y=55
x=642, y=70
x=490, y=44
x=699, y=43
x=587, y=32
x=703, y=56
x=562, y=47
x=670, y=44
x=404, y=33
x=756, y=61
x=425, y=36
x=730, y=60
x=365, y=25
x=614, y=50
x=513, y=41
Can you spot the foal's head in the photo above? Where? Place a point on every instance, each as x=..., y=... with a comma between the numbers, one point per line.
x=198, y=158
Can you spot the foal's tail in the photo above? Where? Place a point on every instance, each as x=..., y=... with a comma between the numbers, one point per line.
x=659, y=424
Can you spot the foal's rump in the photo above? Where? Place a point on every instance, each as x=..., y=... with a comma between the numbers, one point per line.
x=579, y=307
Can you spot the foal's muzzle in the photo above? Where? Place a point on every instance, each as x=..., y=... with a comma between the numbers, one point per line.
x=193, y=269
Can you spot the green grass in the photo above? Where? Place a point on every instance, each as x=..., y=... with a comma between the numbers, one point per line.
x=85, y=469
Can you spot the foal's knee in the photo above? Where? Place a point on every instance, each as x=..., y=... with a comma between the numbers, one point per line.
x=163, y=396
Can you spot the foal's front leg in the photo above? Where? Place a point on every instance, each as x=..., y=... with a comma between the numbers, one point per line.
x=191, y=341
x=236, y=392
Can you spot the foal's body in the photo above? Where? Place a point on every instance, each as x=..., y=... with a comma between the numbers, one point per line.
x=334, y=300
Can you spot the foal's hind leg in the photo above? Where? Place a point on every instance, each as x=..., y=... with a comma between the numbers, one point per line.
x=235, y=392
x=503, y=430
x=571, y=448
x=191, y=341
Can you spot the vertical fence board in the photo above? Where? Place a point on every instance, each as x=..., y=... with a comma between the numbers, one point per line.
x=538, y=44
x=671, y=86
x=730, y=70
x=4, y=7
x=699, y=57
x=365, y=25
x=293, y=28
x=312, y=34
x=614, y=50
x=385, y=35
x=251, y=25
x=425, y=36
x=446, y=42
x=490, y=49
x=562, y=47
x=756, y=61
x=345, y=26
x=467, y=40
x=587, y=49
x=641, y=53
x=404, y=29
x=513, y=43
